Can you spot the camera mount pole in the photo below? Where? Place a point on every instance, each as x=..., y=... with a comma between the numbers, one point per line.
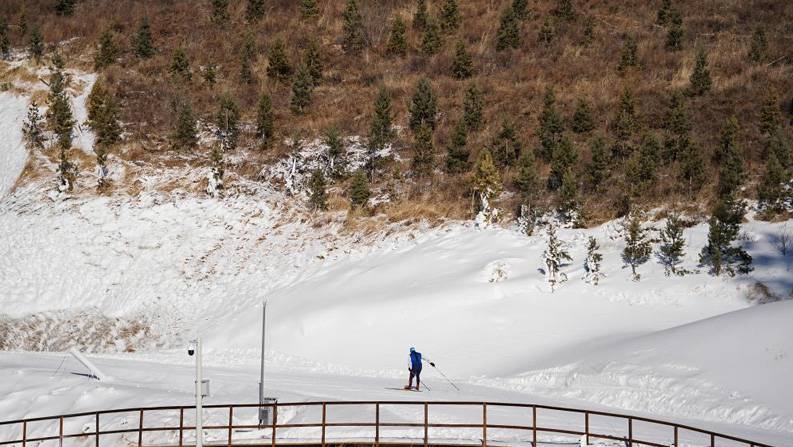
x=262, y=418
x=199, y=392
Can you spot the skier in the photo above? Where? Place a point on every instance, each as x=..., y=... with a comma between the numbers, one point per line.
x=414, y=366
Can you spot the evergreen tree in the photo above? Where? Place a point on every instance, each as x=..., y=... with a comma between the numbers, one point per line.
x=554, y=257
x=758, y=51
x=337, y=156
x=309, y=9
x=664, y=12
x=527, y=181
x=421, y=17
x=674, y=36
x=278, y=66
x=424, y=152
x=209, y=74
x=227, y=121
x=107, y=52
x=354, y=40
x=359, y=191
x=397, y=41
x=61, y=121
x=103, y=116
x=779, y=146
x=521, y=9
x=624, y=125
x=313, y=62
x=720, y=253
x=551, y=126
x=301, y=91
x=700, y=77
x=64, y=7
x=506, y=147
x=564, y=158
x=672, y=249
x=486, y=184
x=582, y=122
x=5, y=42
x=546, y=33
x=637, y=245
x=462, y=66
x=449, y=16
x=589, y=32
x=247, y=57
x=36, y=44
x=677, y=123
x=692, y=168
x=597, y=169
x=254, y=11
x=770, y=190
x=142, y=41
x=215, y=185
x=318, y=197
x=424, y=106
x=22, y=21
x=381, y=131
x=184, y=136
x=220, y=11
x=641, y=171
x=31, y=129
x=568, y=195
x=628, y=57
x=180, y=65
x=564, y=10
x=592, y=274
x=457, y=153
x=431, y=41
x=473, y=104
x=265, y=126
x=732, y=172
x=508, y=35
x=770, y=118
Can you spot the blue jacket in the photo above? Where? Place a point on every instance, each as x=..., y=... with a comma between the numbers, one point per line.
x=415, y=361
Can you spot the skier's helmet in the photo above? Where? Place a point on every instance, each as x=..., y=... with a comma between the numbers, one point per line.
x=412, y=349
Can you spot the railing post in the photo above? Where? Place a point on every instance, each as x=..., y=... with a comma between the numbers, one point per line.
x=24, y=433
x=534, y=426
x=97, y=429
x=140, y=429
x=324, y=421
x=676, y=435
x=275, y=421
x=484, y=424
x=630, y=432
x=231, y=422
x=60, y=431
x=426, y=424
x=377, y=425
x=181, y=426
x=586, y=427
x=712, y=440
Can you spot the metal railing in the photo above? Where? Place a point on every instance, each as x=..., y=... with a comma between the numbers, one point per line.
x=94, y=433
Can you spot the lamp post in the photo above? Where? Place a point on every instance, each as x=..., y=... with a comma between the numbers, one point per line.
x=195, y=348
x=262, y=412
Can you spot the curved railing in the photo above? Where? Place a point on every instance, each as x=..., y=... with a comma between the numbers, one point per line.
x=240, y=425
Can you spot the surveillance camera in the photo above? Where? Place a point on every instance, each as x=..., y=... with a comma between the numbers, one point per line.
x=191, y=348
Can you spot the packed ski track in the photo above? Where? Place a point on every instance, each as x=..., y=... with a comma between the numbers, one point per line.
x=130, y=278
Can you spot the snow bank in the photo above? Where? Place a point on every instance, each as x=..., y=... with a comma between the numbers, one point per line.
x=13, y=154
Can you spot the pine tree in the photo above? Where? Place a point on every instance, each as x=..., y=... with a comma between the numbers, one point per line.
x=337, y=156
x=103, y=116
x=664, y=12
x=142, y=41
x=508, y=35
x=64, y=7
x=227, y=121
x=527, y=181
x=457, y=153
x=473, y=104
x=692, y=168
x=254, y=11
x=180, y=65
x=462, y=66
x=554, y=257
x=486, y=184
x=637, y=245
x=770, y=118
x=547, y=33
x=551, y=126
x=424, y=152
x=278, y=66
x=700, y=77
x=597, y=169
x=359, y=191
x=424, y=106
x=677, y=123
x=592, y=274
x=354, y=40
x=209, y=74
x=107, y=52
x=589, y=32
x=313, y=61
x=421, y=17
x=672, y=249
x=5, y=42
x=265, y=126
x=568, y=195
x=431, y=41
x=758, y=51
x=22, y=21
x=318, y=197
x=720, y=253
x=624, y=125
x=563, y=159
x=506, y=146
x=31, y=129
x=521, y=9
x=449, y=16
x=732, y=172
x=564, y=10
x=582, y=122
x=770, y=190
x=36, y=44
x=779, y=146
x=674, y=36
x=184, y=136
x=628, y=57
x=61, y=121
x=220, y=11
x=309, y=9
x=397, y=41
x=381, y=132
x=247, y=57
x=642, y=168
x=215, y=185
x=301, y=91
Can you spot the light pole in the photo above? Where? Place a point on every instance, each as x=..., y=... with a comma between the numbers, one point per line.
x=262, y=412
x=195, y=347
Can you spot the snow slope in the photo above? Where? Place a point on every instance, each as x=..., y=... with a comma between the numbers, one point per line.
x=13, y=154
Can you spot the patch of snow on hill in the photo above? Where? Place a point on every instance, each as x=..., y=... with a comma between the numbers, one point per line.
x=13, y=154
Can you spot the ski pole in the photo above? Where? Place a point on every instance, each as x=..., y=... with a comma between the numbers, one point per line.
x=425, y=386
x=444, y=376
